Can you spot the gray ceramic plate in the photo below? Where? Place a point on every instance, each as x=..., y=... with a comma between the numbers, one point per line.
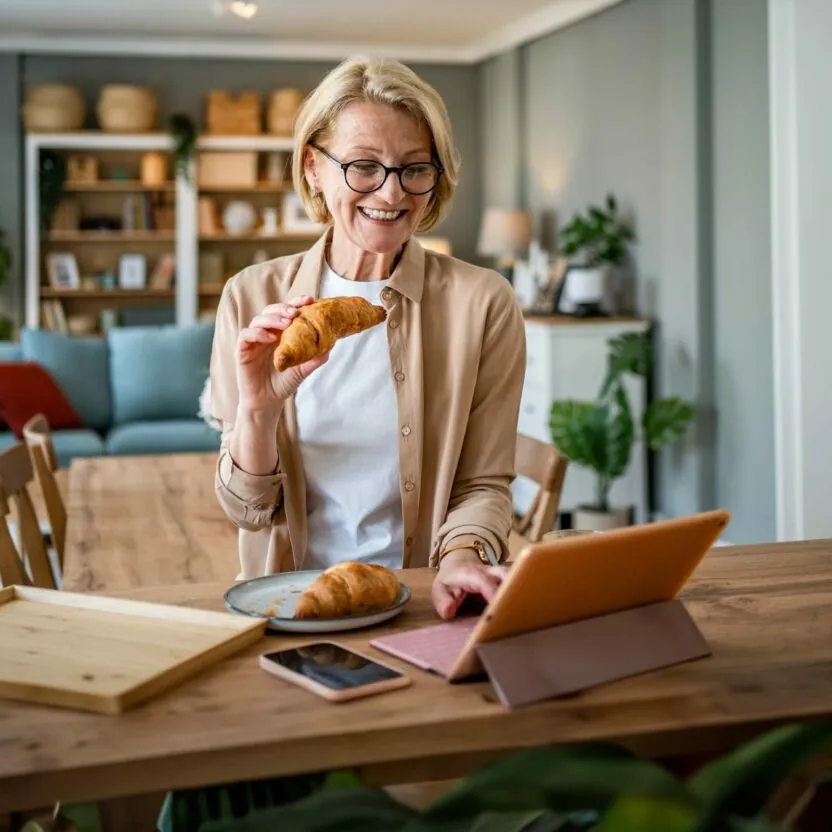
x=274, y=596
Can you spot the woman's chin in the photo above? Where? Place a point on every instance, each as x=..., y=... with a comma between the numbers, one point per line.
x=384, y=240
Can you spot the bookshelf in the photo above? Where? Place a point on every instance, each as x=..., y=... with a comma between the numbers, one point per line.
x=180, y=220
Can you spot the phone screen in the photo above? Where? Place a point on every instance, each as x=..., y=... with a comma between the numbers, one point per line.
x=332, y=666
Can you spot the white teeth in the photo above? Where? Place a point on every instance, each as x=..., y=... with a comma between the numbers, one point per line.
x=373, y=214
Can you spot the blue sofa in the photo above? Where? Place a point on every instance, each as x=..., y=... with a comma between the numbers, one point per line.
x=136, y=390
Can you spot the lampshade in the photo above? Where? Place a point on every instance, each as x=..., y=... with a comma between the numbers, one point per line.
x=504, y=233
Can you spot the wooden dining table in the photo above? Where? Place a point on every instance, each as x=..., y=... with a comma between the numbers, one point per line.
x=765, y=610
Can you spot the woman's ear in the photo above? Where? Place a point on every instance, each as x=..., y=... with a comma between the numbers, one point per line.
x=310, y=170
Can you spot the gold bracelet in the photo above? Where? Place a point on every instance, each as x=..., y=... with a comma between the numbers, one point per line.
x=474, y=545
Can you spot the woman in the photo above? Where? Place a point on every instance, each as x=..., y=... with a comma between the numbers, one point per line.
x=398, y=446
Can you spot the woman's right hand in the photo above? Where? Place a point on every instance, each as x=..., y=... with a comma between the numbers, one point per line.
x=260, y=386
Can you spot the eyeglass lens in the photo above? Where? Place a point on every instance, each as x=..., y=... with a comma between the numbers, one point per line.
x=368, y=176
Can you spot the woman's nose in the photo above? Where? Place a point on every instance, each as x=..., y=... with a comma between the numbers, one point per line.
x=391, y=191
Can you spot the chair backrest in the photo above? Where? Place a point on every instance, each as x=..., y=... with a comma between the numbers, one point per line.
x=15, y=475
x=38, y=436
x=545, y=465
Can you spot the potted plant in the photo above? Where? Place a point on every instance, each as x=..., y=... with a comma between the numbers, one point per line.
x=600, y=435
x=570, y=787
x=6, y=323
x=594, y=243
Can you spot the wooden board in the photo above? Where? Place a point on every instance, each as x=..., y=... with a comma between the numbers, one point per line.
x=107, y=654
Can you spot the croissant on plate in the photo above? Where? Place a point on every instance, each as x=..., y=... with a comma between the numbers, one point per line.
x=320, y=324
x=348, y=588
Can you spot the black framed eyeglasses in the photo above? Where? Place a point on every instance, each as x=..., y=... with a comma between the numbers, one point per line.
x=367, y=175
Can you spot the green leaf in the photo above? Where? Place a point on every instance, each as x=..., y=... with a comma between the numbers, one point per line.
x=621, y=436
x=634, y=813
x=330, y=810
x=630, y=352
x=666, y=420
x=740, y=783
x=572, y=426
x=565, y=778
x=513, y=822
x=348, y=779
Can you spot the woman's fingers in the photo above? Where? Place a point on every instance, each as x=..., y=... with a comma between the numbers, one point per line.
x=257, y=335
x=449, y=589
x=272, y=320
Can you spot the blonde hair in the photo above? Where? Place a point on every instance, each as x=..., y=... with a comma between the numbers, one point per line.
x=362, y=80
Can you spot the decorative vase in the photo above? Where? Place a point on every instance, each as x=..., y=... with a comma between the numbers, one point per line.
x=153, y=169
x=239, y=218
x=591, y=519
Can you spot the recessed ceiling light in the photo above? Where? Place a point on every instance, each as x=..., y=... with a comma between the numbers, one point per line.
x=242, y=8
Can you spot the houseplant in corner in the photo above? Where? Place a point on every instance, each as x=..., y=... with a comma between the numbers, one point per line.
x=594, y=244
x=600, y=435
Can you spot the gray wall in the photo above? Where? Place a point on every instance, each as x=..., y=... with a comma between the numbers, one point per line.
x=11, y=209
x=624, y=101
x=742, y=268
x=181, y=84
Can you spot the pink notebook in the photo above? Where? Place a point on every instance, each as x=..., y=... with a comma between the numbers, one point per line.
x=433, y=648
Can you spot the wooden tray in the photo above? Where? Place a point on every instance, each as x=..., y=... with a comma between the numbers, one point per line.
x=107, y=654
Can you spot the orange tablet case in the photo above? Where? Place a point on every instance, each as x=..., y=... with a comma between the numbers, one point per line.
x=577, y=611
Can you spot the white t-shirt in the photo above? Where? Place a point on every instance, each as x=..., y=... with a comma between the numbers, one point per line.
x=349, y=441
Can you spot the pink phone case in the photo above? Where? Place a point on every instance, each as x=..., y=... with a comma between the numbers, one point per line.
x=312, y=686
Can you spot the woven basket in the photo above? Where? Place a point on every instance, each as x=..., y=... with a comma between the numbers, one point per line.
x=127, y=109
x=54, y=108
x=283, y=109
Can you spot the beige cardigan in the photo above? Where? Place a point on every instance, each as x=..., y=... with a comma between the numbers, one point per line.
x=457, y=353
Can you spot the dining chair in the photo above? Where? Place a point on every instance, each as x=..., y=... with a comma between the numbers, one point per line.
x=38, y=437
x=16, y=473
x=546, y=466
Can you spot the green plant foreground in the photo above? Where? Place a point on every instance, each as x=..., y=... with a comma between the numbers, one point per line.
x=600, y=435
x=567, y=788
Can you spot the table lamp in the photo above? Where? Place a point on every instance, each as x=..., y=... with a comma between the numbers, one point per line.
x=504, y=234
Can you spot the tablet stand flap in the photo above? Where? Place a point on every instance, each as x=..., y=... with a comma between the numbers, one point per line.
x=572, y=657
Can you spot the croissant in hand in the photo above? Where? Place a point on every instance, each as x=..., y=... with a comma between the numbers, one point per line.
x=349, y=588
x=319, y=325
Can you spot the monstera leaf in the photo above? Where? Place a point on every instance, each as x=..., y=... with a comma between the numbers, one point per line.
x=666, y=420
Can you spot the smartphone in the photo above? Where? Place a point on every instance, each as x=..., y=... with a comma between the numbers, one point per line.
x=332, y=671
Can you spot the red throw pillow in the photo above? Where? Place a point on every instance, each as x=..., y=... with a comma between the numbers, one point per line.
x=26, y=389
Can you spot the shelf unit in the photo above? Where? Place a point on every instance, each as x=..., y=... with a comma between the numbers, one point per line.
x=191, y=298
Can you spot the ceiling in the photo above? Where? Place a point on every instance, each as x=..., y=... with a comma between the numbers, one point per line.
x=442, y=30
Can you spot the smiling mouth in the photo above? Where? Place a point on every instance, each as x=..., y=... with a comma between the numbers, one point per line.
x=381, y=216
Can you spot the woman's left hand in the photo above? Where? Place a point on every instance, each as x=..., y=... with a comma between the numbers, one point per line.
x=460, y=574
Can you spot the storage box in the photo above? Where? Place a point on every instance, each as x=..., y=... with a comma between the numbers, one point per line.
x=232, y=114
x=237, y=169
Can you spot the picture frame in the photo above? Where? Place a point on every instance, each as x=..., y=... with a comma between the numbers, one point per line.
x=132, y=271
x=62, y=270
x=293, y=218
x=164, y=273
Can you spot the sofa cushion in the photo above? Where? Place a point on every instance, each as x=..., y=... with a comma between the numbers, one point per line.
x=80, y=366
x=26, y=390
x=68, y=444
x=10, y=351
x=157, y=372
x=162, y=436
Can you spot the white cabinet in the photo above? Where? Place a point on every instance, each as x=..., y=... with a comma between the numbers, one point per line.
x=567, y=359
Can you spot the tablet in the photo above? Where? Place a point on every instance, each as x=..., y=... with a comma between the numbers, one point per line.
x=571, y=578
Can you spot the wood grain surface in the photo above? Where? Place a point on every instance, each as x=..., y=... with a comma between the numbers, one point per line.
x=146, y=521
x=765, y=611
x=107, y=654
